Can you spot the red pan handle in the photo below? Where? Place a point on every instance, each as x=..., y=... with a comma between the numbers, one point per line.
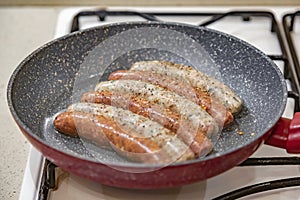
x=286, y=134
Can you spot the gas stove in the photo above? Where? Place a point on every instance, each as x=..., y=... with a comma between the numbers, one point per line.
x=270, y=173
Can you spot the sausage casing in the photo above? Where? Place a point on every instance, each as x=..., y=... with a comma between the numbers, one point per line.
x=136, y=105
x=134, y=137
x=197, y=79
x=171, y=141
x=181, y=87
x=105, y=133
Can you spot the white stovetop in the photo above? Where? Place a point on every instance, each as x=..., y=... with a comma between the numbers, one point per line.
x=71, y=187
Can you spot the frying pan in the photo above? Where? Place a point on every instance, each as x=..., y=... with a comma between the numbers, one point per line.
x=55, y=75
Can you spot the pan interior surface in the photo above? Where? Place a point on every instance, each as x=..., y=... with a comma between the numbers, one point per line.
x=57, y=74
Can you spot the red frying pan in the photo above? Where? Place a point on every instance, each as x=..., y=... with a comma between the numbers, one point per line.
x=55, y=75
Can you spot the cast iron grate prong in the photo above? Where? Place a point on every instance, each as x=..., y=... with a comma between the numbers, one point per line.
x=48, y=180
x=266, y=161
x=293, y=16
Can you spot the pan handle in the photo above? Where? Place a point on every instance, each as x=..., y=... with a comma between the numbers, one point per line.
x=286, y=134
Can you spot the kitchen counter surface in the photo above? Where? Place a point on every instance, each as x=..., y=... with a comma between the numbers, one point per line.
x=23, y=29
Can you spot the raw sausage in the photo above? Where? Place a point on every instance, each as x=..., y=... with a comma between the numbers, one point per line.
x=131, y=122
x=181, y=87
x=103, y=130
x=197, y=79
x=135, y=104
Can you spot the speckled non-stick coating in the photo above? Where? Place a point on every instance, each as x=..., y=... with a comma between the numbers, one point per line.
x=43, y=83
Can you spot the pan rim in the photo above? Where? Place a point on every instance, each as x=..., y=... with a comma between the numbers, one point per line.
x=140, y=165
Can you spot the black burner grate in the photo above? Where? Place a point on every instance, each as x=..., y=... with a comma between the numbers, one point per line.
x=48, y=176
x=260, y=187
